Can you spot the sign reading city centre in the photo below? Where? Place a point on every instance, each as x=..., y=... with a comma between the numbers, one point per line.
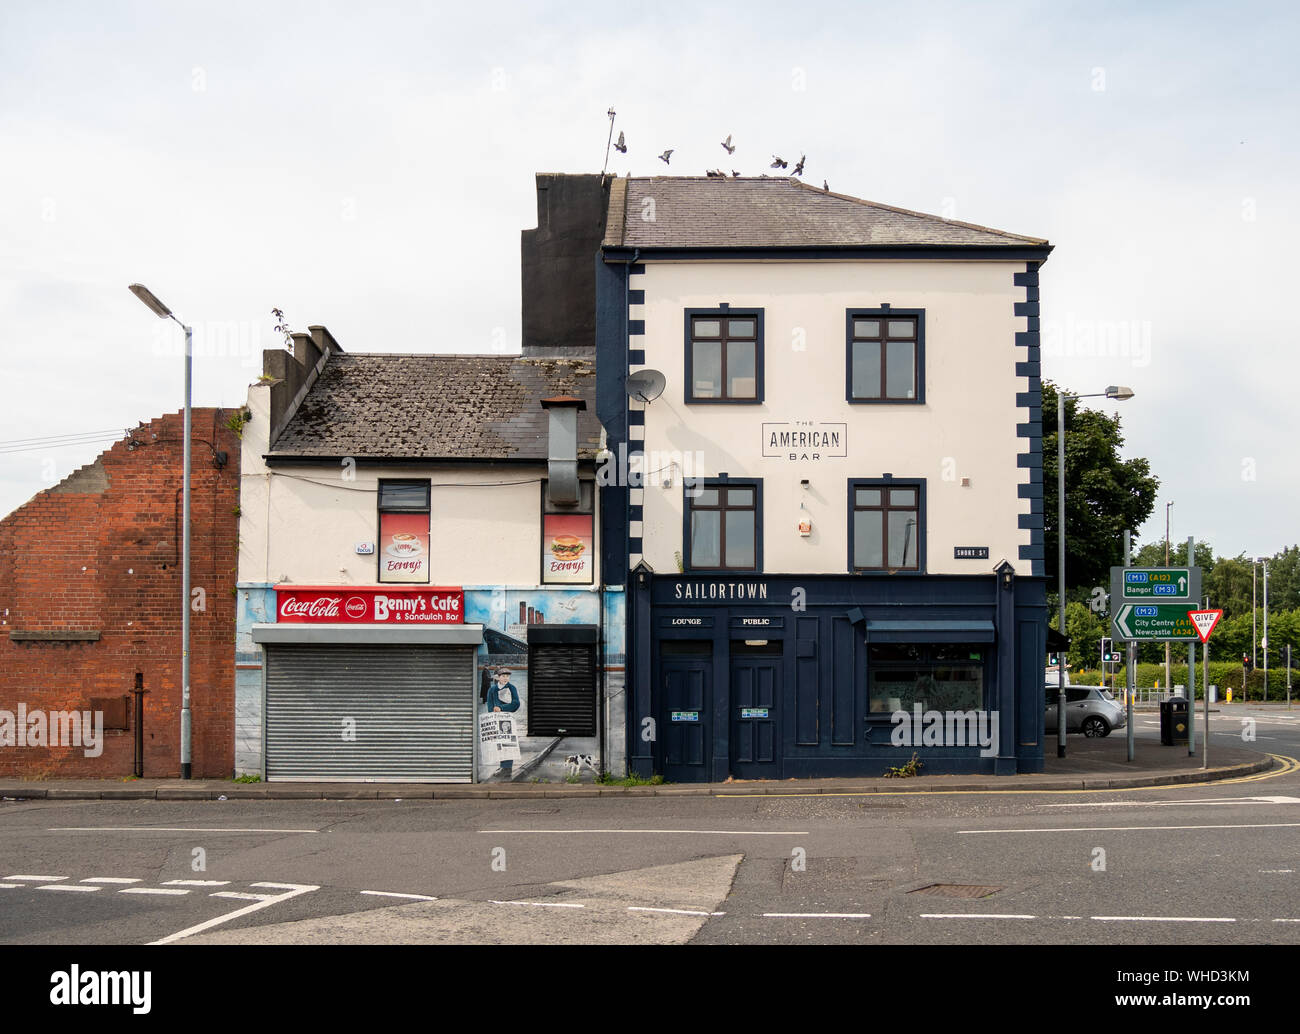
x=1151, y=603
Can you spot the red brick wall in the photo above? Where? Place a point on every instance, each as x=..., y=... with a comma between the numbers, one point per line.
x=101, y=552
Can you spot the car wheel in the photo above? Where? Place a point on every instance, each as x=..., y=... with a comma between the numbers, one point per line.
x=1094, y=726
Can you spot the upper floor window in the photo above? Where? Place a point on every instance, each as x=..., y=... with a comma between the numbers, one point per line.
x=403, y=547
x=886, y=355
x=886, y=525
x=724, y=525
x=724, y=355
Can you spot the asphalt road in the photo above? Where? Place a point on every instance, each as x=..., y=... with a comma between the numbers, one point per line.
x=1201, y=864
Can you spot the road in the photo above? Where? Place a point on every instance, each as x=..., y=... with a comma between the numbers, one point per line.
x=1201, y=864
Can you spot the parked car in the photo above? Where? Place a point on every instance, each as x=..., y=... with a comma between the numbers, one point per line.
x=1088, y=709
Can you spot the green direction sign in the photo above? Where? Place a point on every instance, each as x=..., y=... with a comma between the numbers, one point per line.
x=1156, y=583
x=1154, y=621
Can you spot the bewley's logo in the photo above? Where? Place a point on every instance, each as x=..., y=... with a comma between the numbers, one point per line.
x=946, y=729
x=96, y=987
x=321, y=607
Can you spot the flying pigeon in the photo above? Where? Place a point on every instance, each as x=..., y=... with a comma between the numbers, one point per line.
x=798, y=169
x=728, y=146
x=778, y=163
x=666, y=155
x=620, y=147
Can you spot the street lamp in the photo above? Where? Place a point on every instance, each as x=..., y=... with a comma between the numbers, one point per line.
x=161, y=311
x=1263, y=643
x=1189, y=561
x=1121, y=394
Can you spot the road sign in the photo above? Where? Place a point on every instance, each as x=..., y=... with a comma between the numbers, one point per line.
x=1157, y=584
x=1204, y=620
x=1147, y=621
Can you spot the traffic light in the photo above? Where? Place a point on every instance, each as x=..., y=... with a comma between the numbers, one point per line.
x=1245, y=661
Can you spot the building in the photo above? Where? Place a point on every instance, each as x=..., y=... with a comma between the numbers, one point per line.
x=421, y=596
x=90, y=608
x=831, y=518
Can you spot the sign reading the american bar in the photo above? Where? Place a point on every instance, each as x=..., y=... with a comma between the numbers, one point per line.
x=346, y=604
x=805, y=440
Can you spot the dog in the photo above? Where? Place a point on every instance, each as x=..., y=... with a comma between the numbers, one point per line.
x=575, y=763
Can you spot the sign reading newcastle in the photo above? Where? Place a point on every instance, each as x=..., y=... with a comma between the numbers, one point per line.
x=1151, y=603
x=805, y=440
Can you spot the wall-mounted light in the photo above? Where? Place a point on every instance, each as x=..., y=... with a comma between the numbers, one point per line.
x=805, y=521
x=1006, y=575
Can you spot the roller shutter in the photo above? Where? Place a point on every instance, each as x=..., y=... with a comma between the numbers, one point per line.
x=413, y=708
x=561, y=690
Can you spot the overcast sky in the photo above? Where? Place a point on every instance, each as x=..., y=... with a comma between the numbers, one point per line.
x=370, y=166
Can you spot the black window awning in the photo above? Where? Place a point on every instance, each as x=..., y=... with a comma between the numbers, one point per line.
x=561, y=634
x=930, y=632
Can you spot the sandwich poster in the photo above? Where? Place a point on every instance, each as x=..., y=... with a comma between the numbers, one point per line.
x=567, y=548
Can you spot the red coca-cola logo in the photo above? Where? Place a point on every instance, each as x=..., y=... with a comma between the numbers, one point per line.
x=356, y=607
x=322, y=607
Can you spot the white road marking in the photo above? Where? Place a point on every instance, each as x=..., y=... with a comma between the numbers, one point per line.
x=974, y=915
x=394, y=894
x=152, y=890
x=1286, y=920
x=1125, y=829
x=240, y=896
x=196, y=883
x=9, y=886
x=1276, y=870
x=1166, y=804
x=169, y=829
x=294, y=889
x=1163, y=919
x=816, y=915
x=111, y=879
x=70, y=886
x=539, y=904
x=673, y=911
x=708, y=832
x=37, y=879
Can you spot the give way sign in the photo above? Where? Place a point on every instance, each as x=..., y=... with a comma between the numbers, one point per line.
x=1204, y=620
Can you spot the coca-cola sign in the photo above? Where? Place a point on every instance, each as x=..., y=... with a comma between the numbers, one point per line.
x=305, y=604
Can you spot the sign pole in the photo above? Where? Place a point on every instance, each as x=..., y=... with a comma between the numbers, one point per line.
x=1191, y=668
x=1131, y=654
x=1204, y=621
x=1205, y=729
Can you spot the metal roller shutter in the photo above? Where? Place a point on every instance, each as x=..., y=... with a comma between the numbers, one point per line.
x=414, y=709
x=561, y=690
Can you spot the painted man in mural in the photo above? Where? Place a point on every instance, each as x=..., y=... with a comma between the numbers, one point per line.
x=503, y=697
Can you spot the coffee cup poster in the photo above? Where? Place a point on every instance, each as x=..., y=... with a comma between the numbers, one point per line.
x=403, y=547
x=567, y=548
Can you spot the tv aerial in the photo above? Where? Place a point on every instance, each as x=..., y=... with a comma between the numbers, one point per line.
x=646, y=385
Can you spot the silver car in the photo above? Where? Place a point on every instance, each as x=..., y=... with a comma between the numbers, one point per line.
x=1088, y=709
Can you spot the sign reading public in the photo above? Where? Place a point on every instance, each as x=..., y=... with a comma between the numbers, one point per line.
x=347, y=604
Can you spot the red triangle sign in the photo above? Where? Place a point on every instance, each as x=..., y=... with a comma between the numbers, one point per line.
x=1204, y=620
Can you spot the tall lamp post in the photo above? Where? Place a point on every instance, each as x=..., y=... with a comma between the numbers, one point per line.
x=160, y=310
x=1189, y=561
x=1263, y=643
x=1120, y=393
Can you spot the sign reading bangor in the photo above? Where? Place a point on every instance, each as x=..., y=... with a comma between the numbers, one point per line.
x=1151, y=603
x=1172, y=583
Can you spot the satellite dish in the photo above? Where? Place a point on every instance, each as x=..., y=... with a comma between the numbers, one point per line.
x=646, y=385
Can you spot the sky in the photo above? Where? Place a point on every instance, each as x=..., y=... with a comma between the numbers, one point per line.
x=369, y=167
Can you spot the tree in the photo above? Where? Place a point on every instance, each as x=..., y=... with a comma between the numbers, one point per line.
x=1104, y=493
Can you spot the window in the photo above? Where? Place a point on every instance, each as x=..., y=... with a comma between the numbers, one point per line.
x=886, y=525
x=561, y=689
x=723, y=529
x=724, y=355
x=568, y=538
x=403, y=546
x=886, y=353
x=938, y=676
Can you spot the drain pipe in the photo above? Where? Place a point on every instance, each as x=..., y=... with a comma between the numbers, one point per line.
x=138, y=692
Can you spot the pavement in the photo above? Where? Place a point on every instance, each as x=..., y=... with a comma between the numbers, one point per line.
x=1090, y=764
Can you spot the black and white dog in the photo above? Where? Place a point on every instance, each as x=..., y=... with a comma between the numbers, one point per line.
x=575, y=763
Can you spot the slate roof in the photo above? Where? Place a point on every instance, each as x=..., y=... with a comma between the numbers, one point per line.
x=437, y=407
x=711, y=212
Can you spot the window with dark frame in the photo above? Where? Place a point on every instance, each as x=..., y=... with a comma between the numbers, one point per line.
x=938, y=676
x=404, y=533
x=723, y=526
x=724, y=357
x=886, y=527
x=885, y=357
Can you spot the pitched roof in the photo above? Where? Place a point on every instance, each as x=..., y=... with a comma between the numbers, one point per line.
x=371, y=405
x=714, y=212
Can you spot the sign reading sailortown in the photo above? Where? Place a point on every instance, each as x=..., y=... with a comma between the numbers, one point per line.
x=805, y=440
x=719, y=591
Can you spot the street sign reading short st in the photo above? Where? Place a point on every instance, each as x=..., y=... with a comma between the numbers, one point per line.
x=1147, y=621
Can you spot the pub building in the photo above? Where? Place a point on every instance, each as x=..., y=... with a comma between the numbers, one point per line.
x=832, y=412
x=420, y=594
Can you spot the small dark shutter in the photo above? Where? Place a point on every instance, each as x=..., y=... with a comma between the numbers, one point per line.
x=561, y=690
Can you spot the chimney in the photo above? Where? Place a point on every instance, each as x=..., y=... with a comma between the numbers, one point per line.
x=558, y=265
x=562, y=449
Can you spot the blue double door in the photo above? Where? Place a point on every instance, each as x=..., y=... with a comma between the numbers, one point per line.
x=692, y=705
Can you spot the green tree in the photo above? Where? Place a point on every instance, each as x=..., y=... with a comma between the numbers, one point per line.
x=1104, y=494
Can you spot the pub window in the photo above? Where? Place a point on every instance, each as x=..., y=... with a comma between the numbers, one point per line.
x=886, y=353
x=886, y=525
x=938, y=676
x=724, y=355
x=568, y=538
x=724, y=526
x=403, y=546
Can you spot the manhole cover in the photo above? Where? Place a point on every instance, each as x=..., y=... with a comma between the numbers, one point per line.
x=956, y=890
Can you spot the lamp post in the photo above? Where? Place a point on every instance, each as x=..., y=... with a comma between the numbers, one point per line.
x=1263, y=643
x=1113, y=392
x=160, y=310
x=1167, y=506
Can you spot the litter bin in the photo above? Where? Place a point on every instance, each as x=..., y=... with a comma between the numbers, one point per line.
x=1173, y=721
